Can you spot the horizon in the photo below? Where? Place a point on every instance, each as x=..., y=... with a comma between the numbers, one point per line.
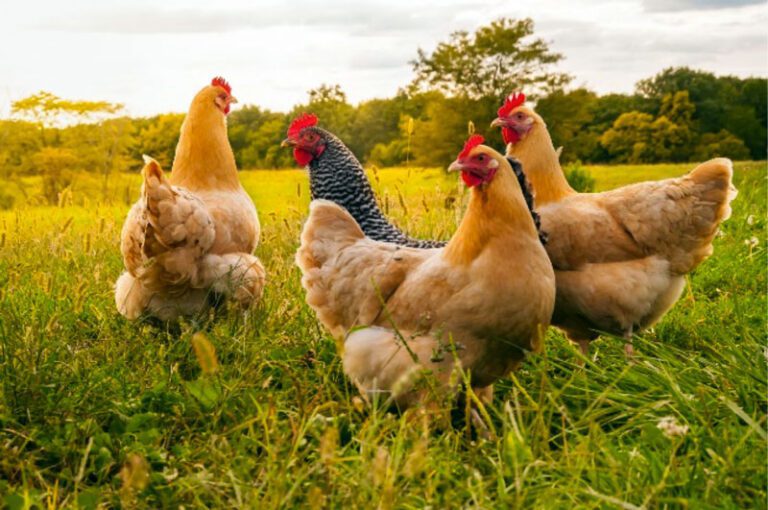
x=607, y=46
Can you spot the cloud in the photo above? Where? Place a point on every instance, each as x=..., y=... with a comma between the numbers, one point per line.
x=358, y=19
x=691, y=5
x=273, y=52
x=367, y=60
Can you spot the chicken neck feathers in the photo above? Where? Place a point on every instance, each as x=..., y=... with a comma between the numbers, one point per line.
x=337, y=175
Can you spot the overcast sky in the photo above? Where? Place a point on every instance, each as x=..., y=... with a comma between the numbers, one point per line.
x=153, y=56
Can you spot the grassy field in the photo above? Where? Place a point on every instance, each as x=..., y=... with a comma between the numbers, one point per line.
x=99, y=412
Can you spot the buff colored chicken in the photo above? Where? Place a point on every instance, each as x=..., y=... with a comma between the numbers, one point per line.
x=193, y=234
x=485, y=299
x=620, y=256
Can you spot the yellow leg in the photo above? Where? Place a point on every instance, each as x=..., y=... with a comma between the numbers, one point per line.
x=629, y=350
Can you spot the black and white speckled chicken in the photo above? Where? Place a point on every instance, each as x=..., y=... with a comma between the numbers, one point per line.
x=335, y=174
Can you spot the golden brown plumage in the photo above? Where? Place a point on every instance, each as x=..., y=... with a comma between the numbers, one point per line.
x=619, y=256
x=195, y=232
x=490, y=290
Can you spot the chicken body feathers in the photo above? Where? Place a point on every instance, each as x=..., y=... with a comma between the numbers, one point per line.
x=493, y=317
x=673, y=218
x=337, y=175
x=620, y=256
x=175, y=255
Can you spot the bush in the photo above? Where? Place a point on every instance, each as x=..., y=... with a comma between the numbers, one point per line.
x=6, y=201
x=579, y=177
x=390, y=154
x=720, y=145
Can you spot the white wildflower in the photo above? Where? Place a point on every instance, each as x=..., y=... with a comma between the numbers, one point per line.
x=752, y=242
x=751, y=219
x=669, y=426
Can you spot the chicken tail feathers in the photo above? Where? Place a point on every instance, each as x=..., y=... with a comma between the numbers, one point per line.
x=716, y=177
x=711, y=190
x=328, y=229
x=178, y=230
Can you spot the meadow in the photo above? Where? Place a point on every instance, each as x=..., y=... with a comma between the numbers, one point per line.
x=99, y=412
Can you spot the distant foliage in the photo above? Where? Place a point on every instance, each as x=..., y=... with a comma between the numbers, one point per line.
x=721, y=144
x=678, y=115
x=638, y=137
x=497, y=58
x=579, y=177
x=6, y=201
x=57, y=166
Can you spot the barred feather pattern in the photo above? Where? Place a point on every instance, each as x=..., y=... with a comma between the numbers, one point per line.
x=337, y=175
x=525, y=186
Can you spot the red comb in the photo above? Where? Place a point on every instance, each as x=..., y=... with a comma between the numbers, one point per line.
x=221, y=82
x=472, y=142
x=513, y=101
x=304, y=120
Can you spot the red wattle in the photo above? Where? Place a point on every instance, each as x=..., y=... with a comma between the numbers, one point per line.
x=470, y=179
x=302, y=157
x=510, y=135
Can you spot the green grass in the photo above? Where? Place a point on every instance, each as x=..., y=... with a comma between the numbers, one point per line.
x=95, y=410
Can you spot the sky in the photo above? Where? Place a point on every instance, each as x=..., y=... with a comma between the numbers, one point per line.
x=153, y=56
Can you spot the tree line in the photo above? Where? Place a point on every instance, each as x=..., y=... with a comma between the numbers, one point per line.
x=678, y=115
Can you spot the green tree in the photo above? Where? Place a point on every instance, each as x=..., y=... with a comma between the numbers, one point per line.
x=628, y=138
x=255, y=134
x=329, y=103
x=376, y=122
x=678, y=108
x=742, y=121
x=57, y=166
x=568, y=116
x=722, y=102
x=722, y=144
x=490, y=63
x=636, y=137
x=439, y=134
x=47, y=110
x=577, y=120
x=157, y=137
x=673, y=129
x=705, y=91
x=19, y=140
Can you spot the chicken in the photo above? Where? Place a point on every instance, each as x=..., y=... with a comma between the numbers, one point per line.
x=620, y=256
x=193, y=234
x=335, y=174
x=484, y=300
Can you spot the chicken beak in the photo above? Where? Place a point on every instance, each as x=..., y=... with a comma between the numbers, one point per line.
x=456, y=166
x=232, y=100
x=287, y=143
x=498, y=122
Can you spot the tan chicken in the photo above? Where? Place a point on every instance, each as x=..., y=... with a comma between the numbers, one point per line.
x=485, y=299
x=194, y=234
x=620, y=256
